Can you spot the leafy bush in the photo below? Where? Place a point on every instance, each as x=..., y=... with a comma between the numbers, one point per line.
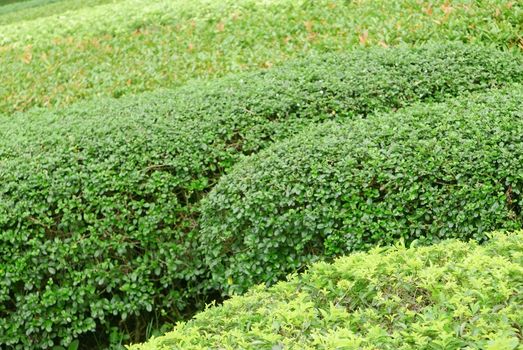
x=146, y=44
x=97, y=201
x=427, y=172
x=453, y=295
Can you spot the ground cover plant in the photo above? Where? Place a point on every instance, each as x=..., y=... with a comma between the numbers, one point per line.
x=424, y=173
x=98, y=210
x=54, y=60
x=452, y=295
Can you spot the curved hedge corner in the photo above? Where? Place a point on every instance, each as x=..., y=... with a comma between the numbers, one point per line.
x=427, y=172
x=451, y=295
x=97, y=201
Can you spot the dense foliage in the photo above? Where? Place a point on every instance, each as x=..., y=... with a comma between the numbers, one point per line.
x=427, y=172
x=97, y=201
x=53, y=58
x=452, y=295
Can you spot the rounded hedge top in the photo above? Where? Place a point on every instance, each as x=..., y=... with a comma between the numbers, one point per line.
x=98, y=201
x=427, y=172
x=452, y=295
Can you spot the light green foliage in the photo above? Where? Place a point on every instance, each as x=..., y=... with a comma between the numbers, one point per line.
x=424, y=173
x=98, y=201
x=138, y=45
x=452, y=295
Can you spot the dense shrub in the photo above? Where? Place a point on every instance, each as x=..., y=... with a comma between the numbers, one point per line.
x=52, y=58
x=97, y=201
x=427, y=172
x=453, y=295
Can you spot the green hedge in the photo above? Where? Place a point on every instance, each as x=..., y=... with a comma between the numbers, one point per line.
x=453, y=295
x=427, y=172
x=98, y=201
x=53, y=58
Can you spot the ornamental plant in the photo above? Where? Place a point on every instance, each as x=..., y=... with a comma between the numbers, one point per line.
x=99, y=202
x=424, y=173
x=451, y=295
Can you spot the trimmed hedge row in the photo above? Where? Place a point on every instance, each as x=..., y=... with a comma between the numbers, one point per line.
x=98, y=201
x=427, y=172
x=452, y=295
x=56, y=60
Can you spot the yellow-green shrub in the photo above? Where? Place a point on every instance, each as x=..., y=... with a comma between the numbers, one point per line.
x=452, y=295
